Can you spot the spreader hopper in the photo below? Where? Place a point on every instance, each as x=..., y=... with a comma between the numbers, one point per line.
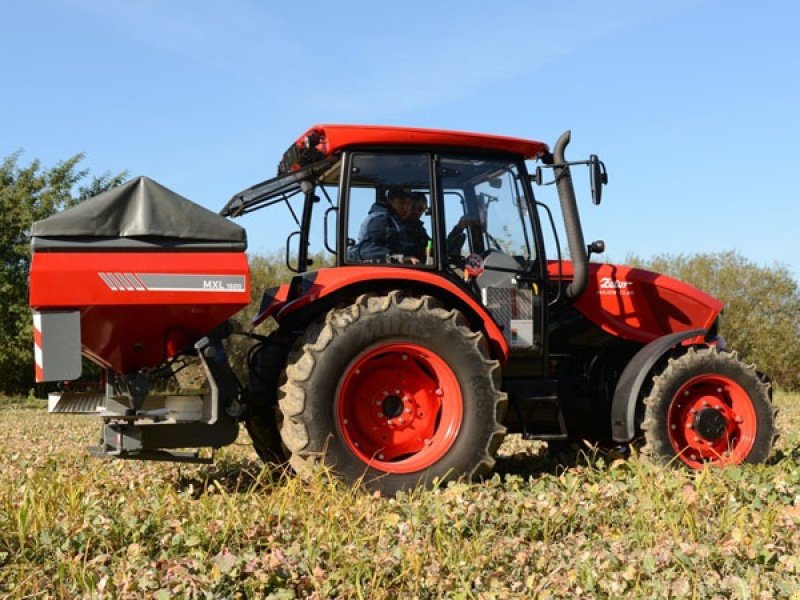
x=130, y=278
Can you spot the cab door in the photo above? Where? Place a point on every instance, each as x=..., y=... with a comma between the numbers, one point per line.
x=490, y=240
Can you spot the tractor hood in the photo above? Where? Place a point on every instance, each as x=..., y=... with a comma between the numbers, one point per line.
x=640, y=305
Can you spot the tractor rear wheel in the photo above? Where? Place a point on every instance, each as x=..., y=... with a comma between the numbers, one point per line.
x=266, y=364
x=708, y=407
x=396, y=390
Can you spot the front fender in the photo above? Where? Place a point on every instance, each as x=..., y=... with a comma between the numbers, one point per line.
x=626, y=394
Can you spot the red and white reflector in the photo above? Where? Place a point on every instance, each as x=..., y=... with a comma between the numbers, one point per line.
x=57, y=345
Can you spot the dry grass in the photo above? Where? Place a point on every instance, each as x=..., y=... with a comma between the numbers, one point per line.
x=73, y=526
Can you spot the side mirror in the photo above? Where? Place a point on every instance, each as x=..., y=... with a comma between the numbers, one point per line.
x=598, y=176
x=596, y=247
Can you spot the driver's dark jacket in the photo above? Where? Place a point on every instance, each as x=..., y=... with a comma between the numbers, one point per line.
x=382, y=234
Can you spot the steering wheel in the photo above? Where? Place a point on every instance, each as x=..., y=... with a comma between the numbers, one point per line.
x=473, y=264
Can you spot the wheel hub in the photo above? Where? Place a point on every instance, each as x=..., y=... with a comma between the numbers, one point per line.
x=392, y=406
x=399, y=407
x=710, y=423
x=711, y=420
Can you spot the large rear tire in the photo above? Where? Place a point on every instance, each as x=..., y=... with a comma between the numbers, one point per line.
x=708, y=407
x=266, y=366
x=396, y=390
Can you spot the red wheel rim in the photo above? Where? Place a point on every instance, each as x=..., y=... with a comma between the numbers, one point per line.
x=711, y=420
x=399, y=407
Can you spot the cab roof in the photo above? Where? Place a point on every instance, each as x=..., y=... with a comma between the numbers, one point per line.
x=330, y=139
x=316, y=151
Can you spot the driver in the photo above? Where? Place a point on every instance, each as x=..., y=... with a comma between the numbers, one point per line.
x=383, y=236
x=417, y=234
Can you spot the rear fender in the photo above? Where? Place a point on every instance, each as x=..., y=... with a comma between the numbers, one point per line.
x=629, y=386
x=272, y=300
x=323, y=287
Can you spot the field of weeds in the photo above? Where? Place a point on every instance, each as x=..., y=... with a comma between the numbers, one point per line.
x=74, y=526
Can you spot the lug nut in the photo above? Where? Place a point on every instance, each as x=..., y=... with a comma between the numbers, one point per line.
x=380, y=456
x=439, y=392
x=345, y=421
x=404, y=357
x=407, y=411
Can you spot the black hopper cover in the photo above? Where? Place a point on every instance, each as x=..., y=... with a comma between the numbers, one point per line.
x=138, y=215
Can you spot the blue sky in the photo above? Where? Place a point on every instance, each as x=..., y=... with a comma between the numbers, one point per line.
x=693, y=105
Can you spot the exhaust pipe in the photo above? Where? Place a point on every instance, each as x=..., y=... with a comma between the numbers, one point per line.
x=572, y=220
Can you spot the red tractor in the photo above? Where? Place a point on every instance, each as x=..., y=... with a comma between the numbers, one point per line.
x=417, y=343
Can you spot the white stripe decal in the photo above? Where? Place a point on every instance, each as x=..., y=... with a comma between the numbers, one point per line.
x=108, y=281
x=133, y=281
x=121, y=277
x=37, y=355
x=173, y=282
x=138, y=284
x=113, y=277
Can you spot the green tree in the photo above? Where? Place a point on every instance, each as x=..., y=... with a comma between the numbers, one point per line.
x=27, y=194
x=762, y=306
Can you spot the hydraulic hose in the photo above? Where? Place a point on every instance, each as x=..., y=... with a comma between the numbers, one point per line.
x=572, y=220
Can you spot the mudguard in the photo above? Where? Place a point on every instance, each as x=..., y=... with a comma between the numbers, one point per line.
x=626, y=394
x=328, y=282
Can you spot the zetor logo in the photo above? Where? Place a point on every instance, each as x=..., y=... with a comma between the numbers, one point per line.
x=619, y=287
x=607, y=283
x=212, y=284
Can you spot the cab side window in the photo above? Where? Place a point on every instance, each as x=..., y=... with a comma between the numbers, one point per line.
x=387, y=217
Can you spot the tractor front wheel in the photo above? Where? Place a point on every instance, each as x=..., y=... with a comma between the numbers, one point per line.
x=396, y=390
x=708, y=407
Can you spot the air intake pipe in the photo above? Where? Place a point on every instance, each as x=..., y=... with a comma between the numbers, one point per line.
x=572, y=220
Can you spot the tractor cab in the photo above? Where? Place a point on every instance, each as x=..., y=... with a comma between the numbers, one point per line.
x=451, y=205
